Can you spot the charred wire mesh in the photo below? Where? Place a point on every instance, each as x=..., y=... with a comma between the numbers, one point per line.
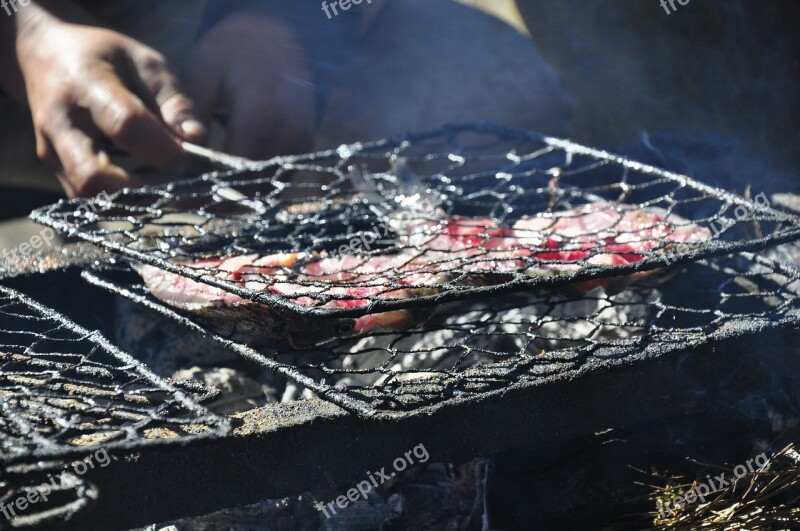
x=59, y=493
x=469, y=350
x=422, y=219
x=66, y=391
x=377, y=261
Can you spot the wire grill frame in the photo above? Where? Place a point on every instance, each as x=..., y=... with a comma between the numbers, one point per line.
x=76, y=494
x=390, y=399
x=68, y=391
x=434, y=148
x=770, y=291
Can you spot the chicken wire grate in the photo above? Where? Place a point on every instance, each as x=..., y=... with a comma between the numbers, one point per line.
x=420, y=220
x=65, y=495
x=471, y=350
x=66, y=391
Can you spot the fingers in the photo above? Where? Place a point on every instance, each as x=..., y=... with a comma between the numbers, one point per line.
x=86, y=171
x=128, y=123
x=161, y=91
x=68, y=128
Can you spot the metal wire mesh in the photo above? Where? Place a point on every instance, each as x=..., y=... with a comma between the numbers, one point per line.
x=416, y=221
x=66, y=390
x=59, y=494
x=471, y=350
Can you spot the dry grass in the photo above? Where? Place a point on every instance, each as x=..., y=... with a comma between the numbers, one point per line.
x=764, y=499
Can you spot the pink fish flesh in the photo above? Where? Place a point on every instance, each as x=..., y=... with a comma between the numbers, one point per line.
x=430, y=255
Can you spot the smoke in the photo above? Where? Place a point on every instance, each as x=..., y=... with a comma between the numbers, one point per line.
x=724, y=67
x=712, y=158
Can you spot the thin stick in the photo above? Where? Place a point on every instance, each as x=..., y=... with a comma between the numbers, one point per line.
x=231, y=161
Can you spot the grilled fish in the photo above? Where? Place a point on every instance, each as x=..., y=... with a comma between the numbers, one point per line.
x=429, y=256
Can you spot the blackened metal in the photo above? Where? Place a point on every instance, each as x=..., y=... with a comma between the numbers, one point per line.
x=59, y=494
x=139, y=294
x=57, y=258
x=268, y=455
x=479, y=171
x=469, y=352
x=67, y=391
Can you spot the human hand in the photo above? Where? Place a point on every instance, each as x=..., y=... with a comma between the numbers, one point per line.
x=86, y=86
x=251, y=69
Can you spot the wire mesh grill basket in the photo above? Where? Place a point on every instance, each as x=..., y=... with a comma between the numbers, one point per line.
x=421, y=220
x=471, y=350
x=66, y=391
x=392, y=278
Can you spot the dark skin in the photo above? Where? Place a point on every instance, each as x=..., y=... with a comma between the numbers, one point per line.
x=88, y=86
